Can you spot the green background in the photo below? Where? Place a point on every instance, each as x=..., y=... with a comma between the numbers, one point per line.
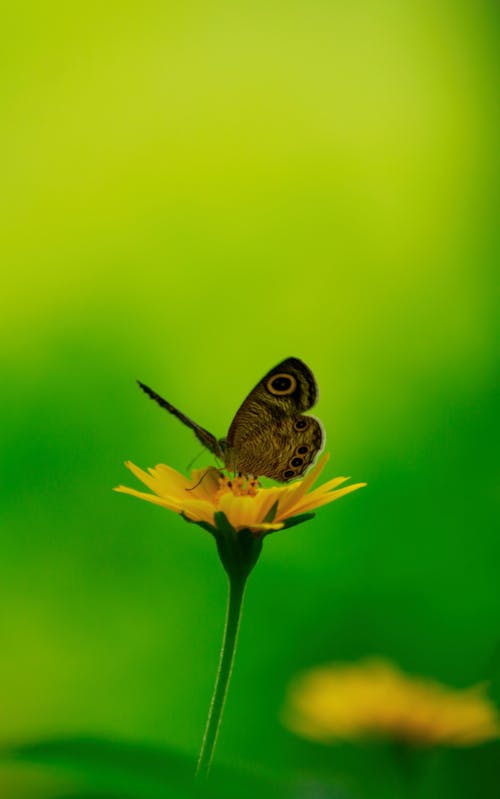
x=190, y=193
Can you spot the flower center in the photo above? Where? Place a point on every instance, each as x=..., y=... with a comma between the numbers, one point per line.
x=239, y=486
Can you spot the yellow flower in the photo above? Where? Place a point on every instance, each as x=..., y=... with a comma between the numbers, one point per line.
x=244, y=504
x=374, y=699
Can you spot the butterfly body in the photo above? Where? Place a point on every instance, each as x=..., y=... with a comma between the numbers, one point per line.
x=269, y=436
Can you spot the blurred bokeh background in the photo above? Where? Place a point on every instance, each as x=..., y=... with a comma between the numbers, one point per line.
x=190, y=193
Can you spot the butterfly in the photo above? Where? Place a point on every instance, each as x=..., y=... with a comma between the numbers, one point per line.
x=270, y=436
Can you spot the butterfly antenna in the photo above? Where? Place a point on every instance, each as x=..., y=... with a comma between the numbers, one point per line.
x=207, y=439
x=210, y=469
x=156, y=397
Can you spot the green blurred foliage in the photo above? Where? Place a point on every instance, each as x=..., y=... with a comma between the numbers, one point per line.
x=192, y=192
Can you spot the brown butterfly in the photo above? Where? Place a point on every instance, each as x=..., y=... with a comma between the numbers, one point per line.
x=269, y=436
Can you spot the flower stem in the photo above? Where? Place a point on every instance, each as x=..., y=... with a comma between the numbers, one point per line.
x=237, y=583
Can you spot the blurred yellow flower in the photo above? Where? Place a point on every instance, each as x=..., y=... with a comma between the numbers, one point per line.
x=244, y=504
x=373, y=698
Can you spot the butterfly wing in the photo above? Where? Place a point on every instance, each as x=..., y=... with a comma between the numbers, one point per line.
x=269, y=435
x=282, y=453
x=207, y=439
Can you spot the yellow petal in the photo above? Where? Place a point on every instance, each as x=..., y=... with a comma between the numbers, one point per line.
x=196, y=510
x=169, y=481
x=297, y=490
x=266, y=498
x=199, y=508
x=205, y=483
x=313, y=475
x=308, y=504
x=149, y=480
x=328, y=486
x=171, y=504
x=240, y=511
x=292, y=508
x=289, y=496
x=265, y=528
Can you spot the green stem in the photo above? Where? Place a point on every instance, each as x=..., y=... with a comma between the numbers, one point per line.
x=237, y=583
